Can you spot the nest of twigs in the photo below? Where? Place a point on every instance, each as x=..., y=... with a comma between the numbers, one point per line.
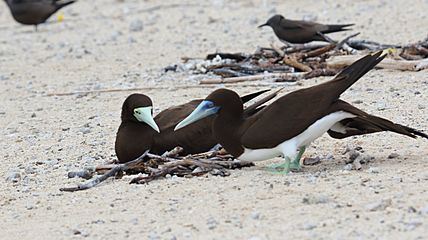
x=151, y=167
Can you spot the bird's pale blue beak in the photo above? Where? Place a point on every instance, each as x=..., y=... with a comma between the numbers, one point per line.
x=205, y=108
x=144, y=114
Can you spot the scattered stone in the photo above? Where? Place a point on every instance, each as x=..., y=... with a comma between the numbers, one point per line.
x=424, y=211
x=373, y=170
x=313, y=199
x=393, y=155
x=88, y=159
x=353, y=154
x=357, y=164
x=136, y=25
x=411, y=210
x=348, y=167
x=379, y=205
x=255, y=215
x=308, y=226
x=30, y=170
x=311, y=161
x=13, y=177
x=85, y=130
x=211, y=223
x=412, y=225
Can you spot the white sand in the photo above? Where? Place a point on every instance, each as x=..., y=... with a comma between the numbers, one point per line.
x=45, y=137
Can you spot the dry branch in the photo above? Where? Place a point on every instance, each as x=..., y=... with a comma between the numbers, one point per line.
x=286, y=77
x=291, y=61
x=404, y=65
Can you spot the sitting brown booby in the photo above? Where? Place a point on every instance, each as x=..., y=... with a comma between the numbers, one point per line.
x=288, y=125
x=34, y=12
x=139, y=132
x=293, y=31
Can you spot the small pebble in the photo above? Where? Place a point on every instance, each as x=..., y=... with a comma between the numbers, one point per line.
x=255, y=215
x=348, y=167
x=211, y=223
x=393, y=155
x=312, y=199
x=136, y=25
x=13, y=177
x=379, y=205
x=373, y=170
x=309, y=226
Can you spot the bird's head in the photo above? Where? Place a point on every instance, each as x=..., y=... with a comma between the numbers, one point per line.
x=139, y=108
x=221, y=100
x=273, y=21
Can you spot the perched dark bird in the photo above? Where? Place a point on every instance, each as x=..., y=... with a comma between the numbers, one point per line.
x=293, y=31
x=288, y=125
x=34, y=12
x=139, y=132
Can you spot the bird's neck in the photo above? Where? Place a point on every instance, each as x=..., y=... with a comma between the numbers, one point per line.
x=226, y=130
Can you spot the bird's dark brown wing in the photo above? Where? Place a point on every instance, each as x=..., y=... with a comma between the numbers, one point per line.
x=293, y=113
x=195, y=138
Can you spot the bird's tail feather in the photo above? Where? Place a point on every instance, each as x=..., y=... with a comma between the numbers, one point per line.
x=348, y=76
x=337, y=28
x=61, y=4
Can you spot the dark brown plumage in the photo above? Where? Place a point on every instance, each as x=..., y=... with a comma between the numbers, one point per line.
x=293, y=31
x=134, y=137
x=34, y=12
x=293, y=121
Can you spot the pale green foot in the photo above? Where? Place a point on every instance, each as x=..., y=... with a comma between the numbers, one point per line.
x=295, y=165
x=282, y=168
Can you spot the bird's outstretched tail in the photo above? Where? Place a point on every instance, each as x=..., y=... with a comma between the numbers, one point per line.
x=337, y=28
x=60, y=4
x=348, y=76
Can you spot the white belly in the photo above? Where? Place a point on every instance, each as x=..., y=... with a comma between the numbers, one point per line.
x=290, y=147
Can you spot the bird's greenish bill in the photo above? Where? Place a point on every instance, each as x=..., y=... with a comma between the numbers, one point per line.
x=144, y=114
x=204, y=109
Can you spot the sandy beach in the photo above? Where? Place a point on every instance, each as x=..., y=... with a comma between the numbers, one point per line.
x=110, y=44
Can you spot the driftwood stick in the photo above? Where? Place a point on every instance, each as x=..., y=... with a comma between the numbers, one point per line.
x=115, y=170
x=343, y=44
x=304, y=47
x=291, y=61
x=316, y=52
x=285, y=76
x=346, y=60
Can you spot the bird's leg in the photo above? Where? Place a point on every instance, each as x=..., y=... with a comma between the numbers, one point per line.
x=283, y=168
x=295, y=165
x=325, y=37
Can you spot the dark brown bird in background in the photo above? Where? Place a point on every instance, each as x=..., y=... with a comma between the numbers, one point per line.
x=293, y=31
x=34, y=12
x=139, y=132
x=289, y=124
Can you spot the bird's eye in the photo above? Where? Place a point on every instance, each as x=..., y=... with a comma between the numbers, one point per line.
x=210, y=104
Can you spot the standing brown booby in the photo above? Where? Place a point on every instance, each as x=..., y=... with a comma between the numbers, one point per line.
x=139, y=132
x=288, y=125
x=293, y=31
x=34, y=12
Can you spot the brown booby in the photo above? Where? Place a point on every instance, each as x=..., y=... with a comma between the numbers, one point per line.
x=34, y=12
x=294, y=31
x=288, y=125
x=139, y=132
